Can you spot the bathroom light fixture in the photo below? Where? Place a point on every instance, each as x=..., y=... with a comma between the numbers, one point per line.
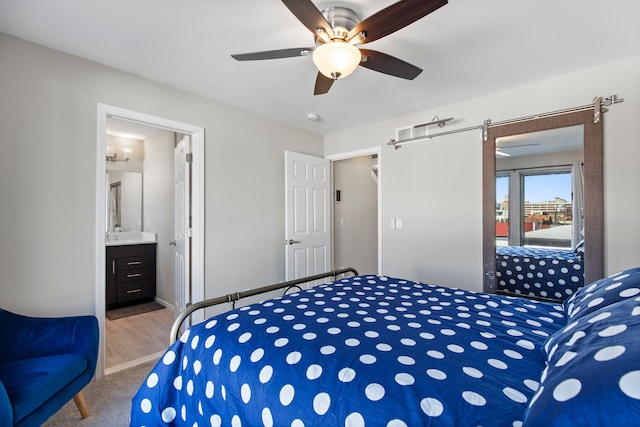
x=114, y=157
x=336, y=59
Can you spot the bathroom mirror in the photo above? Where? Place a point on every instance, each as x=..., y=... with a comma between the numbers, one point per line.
x=124, y=201
x=523, y=134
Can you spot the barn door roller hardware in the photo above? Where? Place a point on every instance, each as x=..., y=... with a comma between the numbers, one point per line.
x=599, y=106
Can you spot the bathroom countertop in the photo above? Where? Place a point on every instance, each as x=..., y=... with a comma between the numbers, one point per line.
x=131, y=238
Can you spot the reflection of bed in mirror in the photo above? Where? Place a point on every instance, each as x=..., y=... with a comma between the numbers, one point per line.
x=549, y=273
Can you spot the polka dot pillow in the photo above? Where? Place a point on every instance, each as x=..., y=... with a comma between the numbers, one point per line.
x=592, y=376
x=602, y=293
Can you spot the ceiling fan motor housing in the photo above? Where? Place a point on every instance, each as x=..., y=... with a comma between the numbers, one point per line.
x=342, y=20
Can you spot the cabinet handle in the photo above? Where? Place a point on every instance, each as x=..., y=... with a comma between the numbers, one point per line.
x=134, y=275
x=133, y=291
x=113, y=266
x=134, y=263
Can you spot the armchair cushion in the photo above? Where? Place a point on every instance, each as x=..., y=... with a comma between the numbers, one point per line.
x=31, y=382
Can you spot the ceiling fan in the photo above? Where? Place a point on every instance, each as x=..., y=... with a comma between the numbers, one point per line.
x=338, y=31
x=499, y=151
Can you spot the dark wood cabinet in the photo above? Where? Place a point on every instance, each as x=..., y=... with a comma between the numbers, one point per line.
x=131, y=274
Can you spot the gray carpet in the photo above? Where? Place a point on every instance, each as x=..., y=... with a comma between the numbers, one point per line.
x=109, y=400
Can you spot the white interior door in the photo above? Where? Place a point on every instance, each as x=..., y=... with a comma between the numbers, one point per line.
x=307, y=215
x=182, y=226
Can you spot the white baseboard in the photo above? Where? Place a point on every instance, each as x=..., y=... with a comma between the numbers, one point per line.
x=169, y=306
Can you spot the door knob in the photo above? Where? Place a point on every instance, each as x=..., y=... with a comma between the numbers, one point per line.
x=172, y=243
x=291, y=242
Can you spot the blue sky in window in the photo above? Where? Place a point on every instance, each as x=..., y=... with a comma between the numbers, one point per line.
x=539, y=188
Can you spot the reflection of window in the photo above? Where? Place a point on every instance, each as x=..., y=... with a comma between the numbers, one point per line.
x=546, y=209
x=502, y=210
x=541, y=205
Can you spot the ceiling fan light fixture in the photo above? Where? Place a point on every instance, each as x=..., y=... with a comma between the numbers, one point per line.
x=336, y=59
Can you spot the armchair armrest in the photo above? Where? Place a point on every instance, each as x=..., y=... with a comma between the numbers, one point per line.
x=23, y=337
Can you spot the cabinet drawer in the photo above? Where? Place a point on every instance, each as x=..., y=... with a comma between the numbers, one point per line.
x=134, y=275
x=132, y=291
x=136, y=262
x=131, y=274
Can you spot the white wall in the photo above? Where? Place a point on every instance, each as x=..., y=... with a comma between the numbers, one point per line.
x=158, y=208
x=540, y=160
x=435, y=185
x=48, y=142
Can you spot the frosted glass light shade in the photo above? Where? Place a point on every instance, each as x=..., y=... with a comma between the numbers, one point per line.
x=336, y=59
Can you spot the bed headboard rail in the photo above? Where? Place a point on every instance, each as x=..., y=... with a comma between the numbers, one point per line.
x=232, y=298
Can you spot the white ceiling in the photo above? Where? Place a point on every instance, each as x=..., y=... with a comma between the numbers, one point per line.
x=130, y=130
x=542, y=142
x=466, y=48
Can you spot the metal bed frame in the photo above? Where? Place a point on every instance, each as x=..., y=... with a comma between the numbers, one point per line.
x=232, y=298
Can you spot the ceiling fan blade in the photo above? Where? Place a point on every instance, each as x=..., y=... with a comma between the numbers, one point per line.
x=310, y=16
x=323, y=84
x=394, y=18
x=387, y=64
x=273, y=54
x=516, y=146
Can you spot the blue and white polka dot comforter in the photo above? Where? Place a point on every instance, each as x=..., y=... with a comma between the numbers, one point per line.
x=539, y=272
x=363, y=351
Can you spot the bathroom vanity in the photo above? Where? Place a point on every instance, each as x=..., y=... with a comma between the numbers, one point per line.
x=131, y=271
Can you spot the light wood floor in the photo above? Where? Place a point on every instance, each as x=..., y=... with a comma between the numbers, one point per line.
x=135, y=337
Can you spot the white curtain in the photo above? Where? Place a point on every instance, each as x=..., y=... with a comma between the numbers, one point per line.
x=577, y=187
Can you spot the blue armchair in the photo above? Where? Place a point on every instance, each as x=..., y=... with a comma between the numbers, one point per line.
x=44, y=363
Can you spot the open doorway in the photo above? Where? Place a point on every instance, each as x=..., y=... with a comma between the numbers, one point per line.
x=357, y=206
x=141, y=285
x=158, y=220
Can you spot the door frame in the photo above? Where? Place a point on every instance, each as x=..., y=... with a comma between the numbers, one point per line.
x=197, y=206
x=360, y=153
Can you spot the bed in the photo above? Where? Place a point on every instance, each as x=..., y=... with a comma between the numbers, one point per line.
x=383, y=351
x=540, y=272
